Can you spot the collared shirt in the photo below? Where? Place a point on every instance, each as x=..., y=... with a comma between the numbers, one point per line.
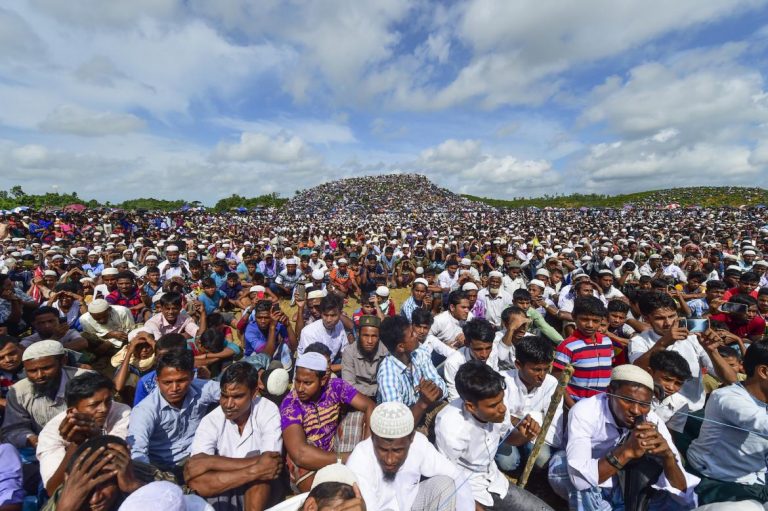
x=158, y=326
x=459, y=358
x=319, y=419
x=408, y=307
x=446, y=328
x=472, y=446
x=694, y=354
x=51, y=448
x=674, y=271
x=26, y=413
x=592, y=363
x=219, y=436
x=360, y=371
x=5, y=305
x=423, y=461
x=398, y=382
x=286, y=279
x=667, y=410
x=119, y=319
x=447, y=282
x=521, y=402
x=162, y=434
x=593, y=432
x=336, y=339
x=699, y=307
x=494, y=305
x=724, y=452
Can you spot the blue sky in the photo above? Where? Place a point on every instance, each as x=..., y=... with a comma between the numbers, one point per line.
x=197, y=99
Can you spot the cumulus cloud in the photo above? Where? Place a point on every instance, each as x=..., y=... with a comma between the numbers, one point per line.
x=261, y=147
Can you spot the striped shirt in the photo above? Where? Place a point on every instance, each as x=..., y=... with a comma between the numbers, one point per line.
x=592, y=362
x=398, y=382
x=408, y=307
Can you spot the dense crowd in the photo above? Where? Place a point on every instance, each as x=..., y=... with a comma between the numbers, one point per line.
x=265, y=359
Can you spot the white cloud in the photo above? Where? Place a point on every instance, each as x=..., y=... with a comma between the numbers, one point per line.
x=261, y=147
x=699, y=98
x=312, y=131
x=79, y=121
x=463, y=167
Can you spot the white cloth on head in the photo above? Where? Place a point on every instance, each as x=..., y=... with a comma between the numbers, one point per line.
x=163, y=495
x=40, y=349
x=313, y=360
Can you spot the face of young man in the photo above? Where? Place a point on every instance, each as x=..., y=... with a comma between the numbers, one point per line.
x=668, y=381
x=174, y=385
x=369, y=340
x=588, y=324
x=10, y=357
x=491, y=409
x=460, y=311
x=46, y=325
x=308, y=384
x=235, y=401
x=480, y=349
x=629, y=402
x=391, y=454
x=662, y=320
x=170, y=312
x=532, y=374
x=97, y=406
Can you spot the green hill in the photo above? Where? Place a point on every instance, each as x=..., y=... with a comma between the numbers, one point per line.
x=704, y=196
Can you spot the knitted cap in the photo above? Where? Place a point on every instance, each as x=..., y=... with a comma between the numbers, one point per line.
x=392, y=420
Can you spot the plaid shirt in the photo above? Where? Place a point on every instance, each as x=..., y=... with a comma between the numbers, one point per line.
x=398, y=382
x=115, y=298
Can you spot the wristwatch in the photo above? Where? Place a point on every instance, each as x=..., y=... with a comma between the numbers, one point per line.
x=613, y=461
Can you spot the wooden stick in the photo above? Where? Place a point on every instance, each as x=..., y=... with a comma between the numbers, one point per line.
x=557, y=397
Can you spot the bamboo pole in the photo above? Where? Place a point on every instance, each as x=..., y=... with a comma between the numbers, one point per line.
x=557, y=397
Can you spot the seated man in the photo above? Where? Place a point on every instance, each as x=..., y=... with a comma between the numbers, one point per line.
x=268, y=331
x=90, y=412
x=127, y=295
x=699, y=350
x=148, y=380
x=617, y=432
x=478, y=345
x=397, y=468
x=172, y=320
x=237, y=450
x=469, y=431
x=47, y=326
x=407, y=375
x=163, y=425
x=39, y=397
x=448, y=324
x=730, y=450
x=331, y=331
x=310, y=416
x=530, y=388
x=515, y=323
x=106, y=323
x=360, y=361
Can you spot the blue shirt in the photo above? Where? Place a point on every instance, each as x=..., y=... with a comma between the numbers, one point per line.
x=162, y=435
x=408, y=307
x=699, y=307
x=398, y=382
x=211, y=303
x=219, y=278
x=147, y=384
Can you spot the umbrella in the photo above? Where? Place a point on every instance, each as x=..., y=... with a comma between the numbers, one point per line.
x=75, y=208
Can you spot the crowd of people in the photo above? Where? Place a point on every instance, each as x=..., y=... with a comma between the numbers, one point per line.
x=382, y=344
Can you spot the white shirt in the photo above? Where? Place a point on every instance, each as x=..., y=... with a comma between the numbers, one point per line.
x=667, y=410
x=511, y=285
x=219, y=436
x=694, y=354
x=445, y=327
x=423, y=460
x=674, y=271
x=432, y=343
x=726, y=453
x=494, y=305
x=505, y=354
x=472, y=445
x=593, y=432
x=447, y=282
x=336, y=339
x=51, y=448
x=459, y=358
x=520, y=402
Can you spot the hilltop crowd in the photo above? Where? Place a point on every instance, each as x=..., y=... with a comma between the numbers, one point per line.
x=265, y=360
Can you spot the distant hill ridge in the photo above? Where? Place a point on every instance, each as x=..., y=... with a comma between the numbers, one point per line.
x=704, y=196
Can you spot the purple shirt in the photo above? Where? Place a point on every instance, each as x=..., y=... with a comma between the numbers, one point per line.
x=319, y=419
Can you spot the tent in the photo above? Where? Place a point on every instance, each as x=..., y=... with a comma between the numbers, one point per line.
x=75, y=208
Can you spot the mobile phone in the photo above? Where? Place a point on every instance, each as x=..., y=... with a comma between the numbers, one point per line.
x=275, y=307
x=697, y=325
x=682, y=323
x=301, y=292
x=734, y=308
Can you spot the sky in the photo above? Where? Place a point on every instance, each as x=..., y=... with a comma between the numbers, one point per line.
x=199, y=99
